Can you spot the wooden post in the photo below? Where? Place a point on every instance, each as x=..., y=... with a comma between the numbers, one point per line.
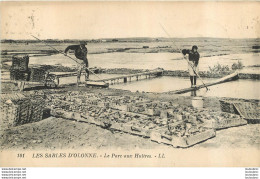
x=21, y=85
x=57, y=80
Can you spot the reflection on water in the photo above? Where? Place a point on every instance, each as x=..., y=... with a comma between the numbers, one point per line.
x=193, y=93
x=159, y=84
x=246, y=89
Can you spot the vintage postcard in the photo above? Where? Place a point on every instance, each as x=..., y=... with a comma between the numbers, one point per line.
x=130, y=84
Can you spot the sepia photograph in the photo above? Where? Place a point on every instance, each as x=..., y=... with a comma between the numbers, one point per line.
x=134, y=84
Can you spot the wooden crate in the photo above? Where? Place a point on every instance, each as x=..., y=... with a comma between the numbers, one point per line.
x=159, y=136
x=227, y=123
x=227, y=120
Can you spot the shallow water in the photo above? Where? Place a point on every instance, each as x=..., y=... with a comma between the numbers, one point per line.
x=246, y=89
x=159, y=85
x=167, y=61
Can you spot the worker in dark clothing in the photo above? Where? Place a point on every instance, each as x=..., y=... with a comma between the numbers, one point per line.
x=81, y=54
x=193, y=67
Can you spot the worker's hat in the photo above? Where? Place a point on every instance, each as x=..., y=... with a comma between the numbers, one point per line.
x=195, y=47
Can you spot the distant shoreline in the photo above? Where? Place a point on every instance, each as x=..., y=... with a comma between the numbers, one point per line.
x=129, y=39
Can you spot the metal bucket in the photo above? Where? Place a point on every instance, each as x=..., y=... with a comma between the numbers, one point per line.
x=197, y=102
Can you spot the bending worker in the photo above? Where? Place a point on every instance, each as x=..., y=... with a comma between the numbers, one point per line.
x=81, y=54
x=193, y=63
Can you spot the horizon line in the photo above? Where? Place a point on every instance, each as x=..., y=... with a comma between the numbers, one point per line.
x=135, y=38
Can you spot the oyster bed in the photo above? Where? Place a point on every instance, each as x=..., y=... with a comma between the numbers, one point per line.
x=160, y=121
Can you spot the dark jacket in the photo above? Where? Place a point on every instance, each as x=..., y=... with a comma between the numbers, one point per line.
x=193, y=56
x=80, y=53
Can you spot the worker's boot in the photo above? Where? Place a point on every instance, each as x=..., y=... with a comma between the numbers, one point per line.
x=195, y=81
x=78, y=81
x=191, y=81
x=78, y=75
x=87, y=75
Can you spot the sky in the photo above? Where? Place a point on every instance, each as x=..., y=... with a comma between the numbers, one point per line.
x=93, y=20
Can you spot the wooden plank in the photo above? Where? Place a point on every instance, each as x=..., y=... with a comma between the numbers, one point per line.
x=63, y=74
x=100, y=83
x=88, y=83
x=26, y=82
x=231, y=77
x=132, y=75
x=68, y=74
x=96, y=84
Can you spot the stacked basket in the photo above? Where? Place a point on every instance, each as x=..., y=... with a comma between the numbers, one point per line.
x=36, y=108
x=14, y=109
x=19, y=69
x=248, y=110
x=228, y=106
x=37, y=74
x=20, y=62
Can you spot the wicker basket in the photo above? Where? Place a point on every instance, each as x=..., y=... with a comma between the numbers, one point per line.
x=36, y=109
x=15, y=110
x=37, y=74
x=228, y=106
x=248, y=110
x=20, y=62
x=19, y=75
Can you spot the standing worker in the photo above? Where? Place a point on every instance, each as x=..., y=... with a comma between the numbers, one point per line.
x=193, y=68
x=81, y=54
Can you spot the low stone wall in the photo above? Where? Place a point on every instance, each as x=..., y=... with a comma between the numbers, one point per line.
x=181, y=73
x=249, y=76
